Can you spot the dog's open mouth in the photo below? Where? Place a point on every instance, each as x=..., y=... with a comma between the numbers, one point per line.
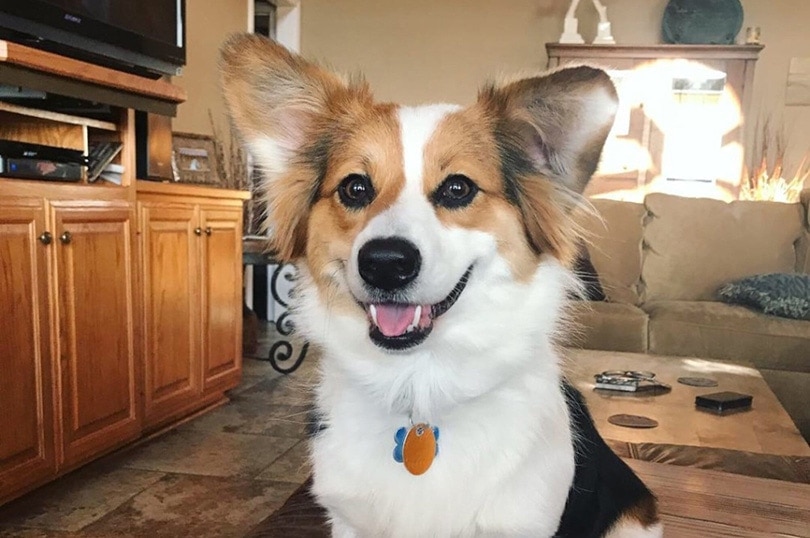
x=398, y=326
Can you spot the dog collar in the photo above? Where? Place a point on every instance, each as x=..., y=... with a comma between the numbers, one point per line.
x=416, y=447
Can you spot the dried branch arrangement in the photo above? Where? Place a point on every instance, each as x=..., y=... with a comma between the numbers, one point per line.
x=232, y=164
x=765, y=177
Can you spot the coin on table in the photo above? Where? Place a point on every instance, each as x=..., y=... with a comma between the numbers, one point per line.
x=632, y=421
x=697, y=381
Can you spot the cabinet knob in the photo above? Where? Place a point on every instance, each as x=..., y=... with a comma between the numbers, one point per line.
x=198, y=231
x=208, y=231
x=46, y=238
x=66, y=238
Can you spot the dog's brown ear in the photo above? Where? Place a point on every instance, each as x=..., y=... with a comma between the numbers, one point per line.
x=281, y=104
x=550, y=131
x=558, y=121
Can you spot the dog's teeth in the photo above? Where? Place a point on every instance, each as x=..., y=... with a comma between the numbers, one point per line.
x=373, y=311
x=417, y=314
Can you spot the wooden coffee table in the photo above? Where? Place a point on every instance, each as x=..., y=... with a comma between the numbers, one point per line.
x=766, y=429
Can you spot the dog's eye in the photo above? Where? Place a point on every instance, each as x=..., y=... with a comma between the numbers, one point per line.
x=456, y=191
x=356, y=191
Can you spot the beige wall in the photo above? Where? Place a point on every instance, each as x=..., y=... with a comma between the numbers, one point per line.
x=441, y=50
x=209, y=23
x=785, y=35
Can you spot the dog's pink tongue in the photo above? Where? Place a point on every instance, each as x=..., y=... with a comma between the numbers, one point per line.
x=394, y=319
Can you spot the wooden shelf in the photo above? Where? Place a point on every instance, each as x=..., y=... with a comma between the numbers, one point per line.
x=57, y=116
x=184, y=189
x=54, y=64
x=726, y=52
x=88, y=193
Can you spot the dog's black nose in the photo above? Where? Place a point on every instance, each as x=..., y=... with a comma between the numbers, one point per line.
x=389, y=263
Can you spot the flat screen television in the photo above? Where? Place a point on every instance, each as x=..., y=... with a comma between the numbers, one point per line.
x=141, y=36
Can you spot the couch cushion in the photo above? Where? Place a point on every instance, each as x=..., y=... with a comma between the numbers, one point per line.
x=608, y=326
x=735, y=333
x=615, y=247
x=692, y=246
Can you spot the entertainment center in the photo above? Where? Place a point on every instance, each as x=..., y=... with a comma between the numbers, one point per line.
x=121, y=304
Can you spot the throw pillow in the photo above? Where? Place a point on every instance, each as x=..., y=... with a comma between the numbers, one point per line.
x=777, y=294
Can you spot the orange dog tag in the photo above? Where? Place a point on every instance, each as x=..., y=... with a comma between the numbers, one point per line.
x=417, y=447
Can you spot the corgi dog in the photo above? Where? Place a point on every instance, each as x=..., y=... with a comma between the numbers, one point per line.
x=433, y=245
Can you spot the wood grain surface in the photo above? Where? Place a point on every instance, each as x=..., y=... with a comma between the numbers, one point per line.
x=766, y=429
x=55, y=64
x=700, y=503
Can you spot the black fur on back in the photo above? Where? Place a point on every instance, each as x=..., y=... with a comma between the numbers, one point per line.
x=604, y=486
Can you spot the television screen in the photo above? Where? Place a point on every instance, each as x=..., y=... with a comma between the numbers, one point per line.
x=138, y=34
x=152, y=18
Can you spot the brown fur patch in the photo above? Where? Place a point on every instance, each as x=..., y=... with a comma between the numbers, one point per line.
x=463, y=143
x=529, y=213
x=549, y=143
x=645, y=511
x=273, y=94
x=369, y=144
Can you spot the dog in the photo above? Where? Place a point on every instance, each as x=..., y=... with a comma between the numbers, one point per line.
x=433, y=245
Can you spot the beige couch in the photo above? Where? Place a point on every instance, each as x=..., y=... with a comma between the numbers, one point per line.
x=660, y=264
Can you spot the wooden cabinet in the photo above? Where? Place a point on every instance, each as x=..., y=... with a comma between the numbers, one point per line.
x=681, y=121
x=222, y=297
x=170, y=252
x=76, y=382
x=67, y=345
x=26, y=390
x=191, y=266
x=96, y=340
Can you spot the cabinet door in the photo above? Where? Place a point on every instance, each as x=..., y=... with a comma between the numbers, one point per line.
x=26, y=381
x=170, y=254
x=96, y=355
x=222, y=298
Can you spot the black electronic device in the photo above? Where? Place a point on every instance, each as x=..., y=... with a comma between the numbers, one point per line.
x=42, y=169
x=146, y=37
x=724, y=403
x=12, y=149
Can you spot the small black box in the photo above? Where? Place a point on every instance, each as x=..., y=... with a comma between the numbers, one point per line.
x=723, y=403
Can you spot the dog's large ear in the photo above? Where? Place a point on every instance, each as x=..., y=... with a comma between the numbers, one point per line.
x=550, y=131
x=559, y=122
x=281, y=105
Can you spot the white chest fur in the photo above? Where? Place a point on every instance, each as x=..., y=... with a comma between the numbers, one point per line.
x=504, y=468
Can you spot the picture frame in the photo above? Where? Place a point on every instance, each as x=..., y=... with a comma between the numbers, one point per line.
x=195, y=159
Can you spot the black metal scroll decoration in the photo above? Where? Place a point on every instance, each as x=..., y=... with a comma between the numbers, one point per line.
x=282, y=350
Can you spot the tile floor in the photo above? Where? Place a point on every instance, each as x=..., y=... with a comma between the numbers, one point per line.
x=215, y=476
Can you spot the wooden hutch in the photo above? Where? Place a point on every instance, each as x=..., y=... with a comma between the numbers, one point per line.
x=120, y=305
